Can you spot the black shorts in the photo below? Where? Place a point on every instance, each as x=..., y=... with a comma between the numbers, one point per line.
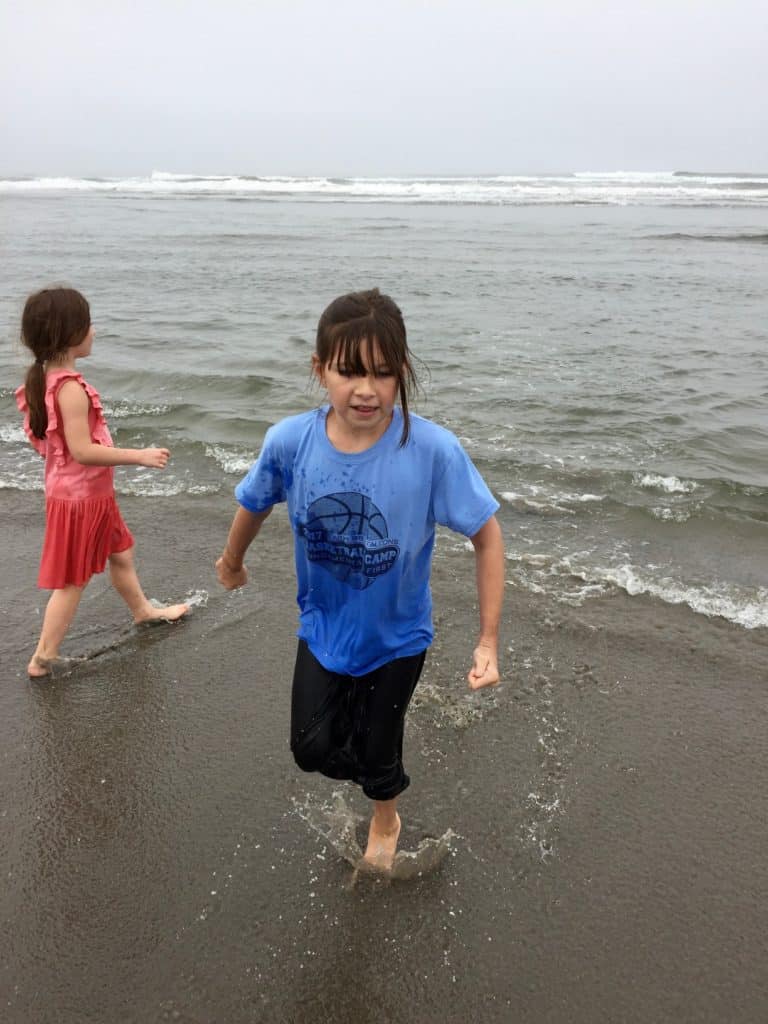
x=351, y=727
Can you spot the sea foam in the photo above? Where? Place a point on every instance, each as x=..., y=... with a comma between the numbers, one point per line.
x=621, y=188
x=670, y=484
x=573, y=579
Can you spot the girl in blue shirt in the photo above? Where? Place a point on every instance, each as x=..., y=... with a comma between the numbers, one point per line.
x=366, y=482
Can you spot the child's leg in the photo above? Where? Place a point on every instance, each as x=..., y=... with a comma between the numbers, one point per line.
x=352, y=728
x=59, y=613
x=383, y=833
x=320, y=722
x=382, y=702
x=126, y=583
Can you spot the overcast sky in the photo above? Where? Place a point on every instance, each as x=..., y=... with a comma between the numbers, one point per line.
x=385, y=88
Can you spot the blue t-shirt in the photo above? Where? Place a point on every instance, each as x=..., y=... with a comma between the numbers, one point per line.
x=364, y=530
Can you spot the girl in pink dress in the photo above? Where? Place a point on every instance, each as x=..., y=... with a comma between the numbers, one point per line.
x=64, y=421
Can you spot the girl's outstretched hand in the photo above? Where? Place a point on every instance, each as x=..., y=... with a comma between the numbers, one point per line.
x=485, y=667
x=155, y=458
x=230, y=578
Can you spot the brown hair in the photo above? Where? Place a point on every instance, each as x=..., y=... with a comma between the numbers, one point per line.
x=354, y=321
x=53, y=320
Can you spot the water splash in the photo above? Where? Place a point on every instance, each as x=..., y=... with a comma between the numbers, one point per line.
x=456, y=709
x=426, y=858
x=196, y=598
x=193, y=598
x=338, y=825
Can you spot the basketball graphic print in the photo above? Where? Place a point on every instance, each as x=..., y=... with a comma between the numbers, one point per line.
x=347, y=535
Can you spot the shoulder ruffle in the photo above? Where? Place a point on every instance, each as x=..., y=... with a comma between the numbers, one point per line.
x=54, y=442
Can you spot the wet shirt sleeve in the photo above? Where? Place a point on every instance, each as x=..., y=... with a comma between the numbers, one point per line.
x=461, y=499
x=264, y=483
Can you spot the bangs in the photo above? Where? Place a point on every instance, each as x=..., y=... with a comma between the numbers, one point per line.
x=360, y=352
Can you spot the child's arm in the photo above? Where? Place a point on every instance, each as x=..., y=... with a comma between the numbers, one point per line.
x=74, y=405
x=489, y=563
x=229, y=567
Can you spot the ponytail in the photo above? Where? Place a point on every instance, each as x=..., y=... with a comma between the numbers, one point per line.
x=34, y=389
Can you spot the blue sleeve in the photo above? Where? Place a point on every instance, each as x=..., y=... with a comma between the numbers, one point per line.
x=264, y=484
x=461, y=499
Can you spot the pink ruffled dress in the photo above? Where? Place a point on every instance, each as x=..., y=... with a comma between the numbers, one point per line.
x=83, y=525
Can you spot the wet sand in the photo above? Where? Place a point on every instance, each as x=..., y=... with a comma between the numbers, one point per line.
x=163, y=860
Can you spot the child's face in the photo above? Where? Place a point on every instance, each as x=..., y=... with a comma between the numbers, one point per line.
x=363, y=404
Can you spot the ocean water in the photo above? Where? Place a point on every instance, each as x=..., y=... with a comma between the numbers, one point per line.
x=598, y=342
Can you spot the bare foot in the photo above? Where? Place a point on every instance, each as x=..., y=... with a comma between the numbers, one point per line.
x=382, y=844
x=39, y=667
x=170, y=613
